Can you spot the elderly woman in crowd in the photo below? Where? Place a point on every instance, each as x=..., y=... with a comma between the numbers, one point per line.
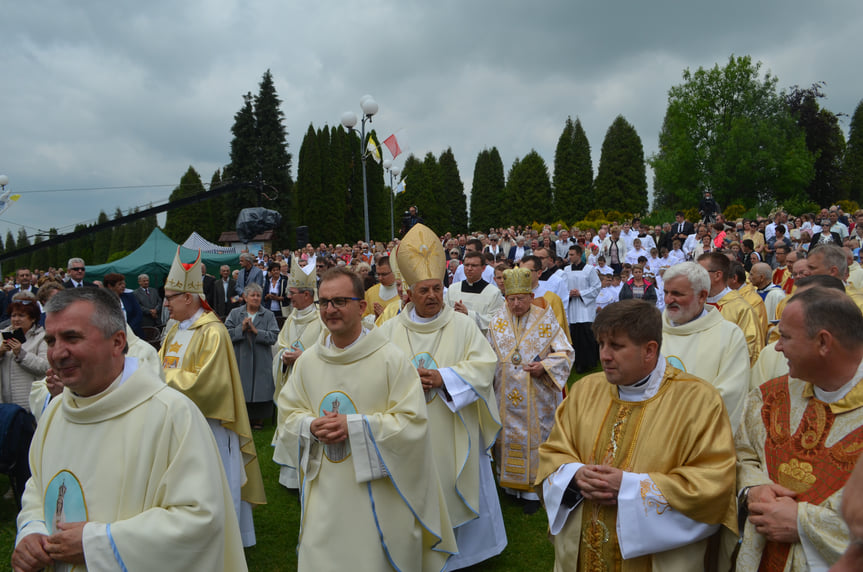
x=23, y=352
x=253, y=331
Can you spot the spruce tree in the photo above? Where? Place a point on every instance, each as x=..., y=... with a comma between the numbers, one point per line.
x=452, y=189
x=275, y=161
x=528, y=191
x=102, y=242
x=583, y=198
x=853, y=160
x=621, y=183
x=564, y=174
x=311, y=204
x=180, y=222
x=487, y=207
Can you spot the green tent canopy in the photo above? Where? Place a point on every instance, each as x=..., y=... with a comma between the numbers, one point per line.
x=154, y=258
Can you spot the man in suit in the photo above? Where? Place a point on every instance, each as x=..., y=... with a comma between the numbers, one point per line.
x=681, y=228
x=150, y=302
x=248, y=273
x=208, y=280
x=24, y=281
x=223, y=298
x=75, y=269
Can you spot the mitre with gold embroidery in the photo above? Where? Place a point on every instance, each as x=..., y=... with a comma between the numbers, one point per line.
x=185, y=277
x=420, y=256
x=517, y=281
x=303, y=276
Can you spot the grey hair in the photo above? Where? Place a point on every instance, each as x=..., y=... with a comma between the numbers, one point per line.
x=107, y=314
x=143, y=276
x=247, y=256
x=74, y=261
x=831, y=310
x=696, y=274
x=833, y=255
x=253, y=287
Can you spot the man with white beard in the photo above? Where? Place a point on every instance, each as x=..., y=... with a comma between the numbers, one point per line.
x=698, y=340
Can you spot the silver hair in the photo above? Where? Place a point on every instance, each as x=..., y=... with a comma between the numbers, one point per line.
x=143, y=276
x=74, y=261
x=247, y=256
x=253, y=287
x=696, y=274
x=107, y=315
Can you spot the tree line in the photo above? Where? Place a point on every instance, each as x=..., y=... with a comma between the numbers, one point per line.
x=728, y=129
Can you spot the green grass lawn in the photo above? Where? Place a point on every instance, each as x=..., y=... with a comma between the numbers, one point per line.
x=277, y=523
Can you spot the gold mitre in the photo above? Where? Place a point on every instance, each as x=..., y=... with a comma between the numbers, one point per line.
x=420, y=256
x=517, y=281
x=185, y=277
x=303, y=276
x=394, y=264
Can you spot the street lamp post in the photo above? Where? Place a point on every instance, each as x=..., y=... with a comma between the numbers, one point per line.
x=394, y=172
x=349, y=121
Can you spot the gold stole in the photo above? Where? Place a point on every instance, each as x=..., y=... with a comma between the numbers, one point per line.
x=614, y=446
x=177, y=349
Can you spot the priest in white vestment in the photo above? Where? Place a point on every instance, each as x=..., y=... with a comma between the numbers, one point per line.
x=356, y=427
x=638, y=472
x=456, y=367
x=698, y=340
x=584, y=287
x=301, y=330
x=125, y=472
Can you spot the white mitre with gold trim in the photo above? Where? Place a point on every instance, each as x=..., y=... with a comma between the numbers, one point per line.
x=420, y=256
x=303, y=276
x=185, y=277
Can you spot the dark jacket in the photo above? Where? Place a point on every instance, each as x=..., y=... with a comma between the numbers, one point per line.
x=649, y=291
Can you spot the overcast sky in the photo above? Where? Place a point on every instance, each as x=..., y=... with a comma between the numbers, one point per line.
x=105, y=104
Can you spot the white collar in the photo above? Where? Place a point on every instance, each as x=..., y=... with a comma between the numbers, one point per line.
x=185, y=324
x=646, y=390
x=834, y=396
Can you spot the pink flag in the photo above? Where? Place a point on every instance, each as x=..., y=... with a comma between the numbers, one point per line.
x=393, y=145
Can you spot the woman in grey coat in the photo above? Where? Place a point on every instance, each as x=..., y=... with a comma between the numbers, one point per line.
x=253, y=331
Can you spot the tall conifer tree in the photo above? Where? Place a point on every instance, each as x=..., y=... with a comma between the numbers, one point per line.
x=621, y=182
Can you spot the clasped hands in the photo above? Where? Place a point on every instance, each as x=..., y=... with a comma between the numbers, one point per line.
x=330, y=428
x=36, y=551
x=773, y=512
x=599, y=483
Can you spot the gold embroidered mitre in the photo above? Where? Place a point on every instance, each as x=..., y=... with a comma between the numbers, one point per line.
x=185, y=277
x=517, y=281
x=303, y=276
x=394, y=264
x=420, y=256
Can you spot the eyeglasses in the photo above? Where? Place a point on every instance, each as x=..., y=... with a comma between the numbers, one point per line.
x=76, y=269
x=339, y=302
x=170, y=297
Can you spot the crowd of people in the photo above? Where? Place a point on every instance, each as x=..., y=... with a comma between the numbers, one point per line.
x=411, y=381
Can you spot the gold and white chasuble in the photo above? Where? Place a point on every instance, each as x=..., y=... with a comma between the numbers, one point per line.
x=199, y=362
x=526, y=404
x=675, y=448
x=373, y=501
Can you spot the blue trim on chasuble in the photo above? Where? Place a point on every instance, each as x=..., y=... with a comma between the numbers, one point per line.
x=114, y=549
x=396, y=487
